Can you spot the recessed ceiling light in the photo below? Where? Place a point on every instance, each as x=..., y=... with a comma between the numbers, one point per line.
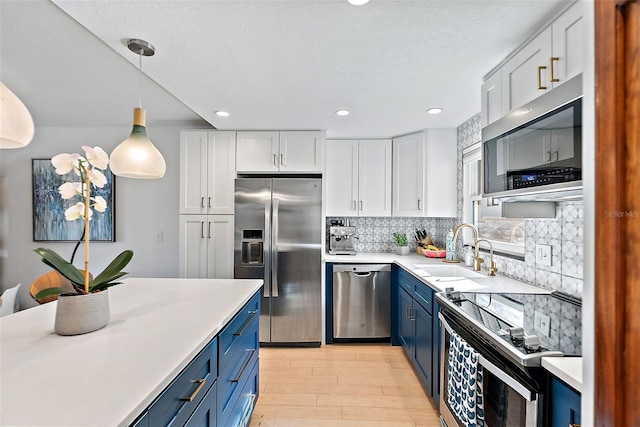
x=342, y=112
x=221, y=113
x=434, y=110
x=358, y=2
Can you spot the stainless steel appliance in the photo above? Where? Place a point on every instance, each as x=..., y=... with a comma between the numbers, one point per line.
x=535, y=152
x=511, y=333
x=341, y=240
x=361, y=301
x=278, y=238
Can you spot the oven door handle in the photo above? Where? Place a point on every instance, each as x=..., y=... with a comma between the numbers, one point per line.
x=499, y=373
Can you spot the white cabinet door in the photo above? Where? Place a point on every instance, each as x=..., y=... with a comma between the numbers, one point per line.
x=300, y=151
x=220, y=247
x=193, y=172
x=491, y=99
x=374, y=177
x=257, y=151
x=206, y=246
x=442, y=173
x=341, y=178
x=526, y=75
x=193, y=246
x=221, y=160
x=568, y=49
x=408, y=175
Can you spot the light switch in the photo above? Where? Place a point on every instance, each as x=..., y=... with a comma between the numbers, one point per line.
x=159, y=236
x=542, y=323
x=543, y=255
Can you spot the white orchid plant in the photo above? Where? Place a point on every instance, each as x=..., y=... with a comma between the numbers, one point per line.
x=89, y=169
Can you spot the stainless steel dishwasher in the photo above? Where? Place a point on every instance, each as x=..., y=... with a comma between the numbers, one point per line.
x=361, y=301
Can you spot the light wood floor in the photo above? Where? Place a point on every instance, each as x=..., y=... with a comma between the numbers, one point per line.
x=340, y=385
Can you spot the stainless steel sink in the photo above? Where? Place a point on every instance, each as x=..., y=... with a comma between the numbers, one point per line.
x=448, y=270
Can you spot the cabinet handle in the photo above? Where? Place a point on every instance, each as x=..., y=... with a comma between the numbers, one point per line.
x=202, y=229
x=195, y=392
x=246, y=324
x=360, y=204
x=209, y=203
x=553, y=78
x=244, y=368
x=574, y=425
x=548, y=156
x=418, y=204
x=202, y=202
x=407, y=311
x=557, y=153
x=540, y=68
x=411, y=313
x=353, y=203
x=209, y=229
x=275, y=159
x=282, y=159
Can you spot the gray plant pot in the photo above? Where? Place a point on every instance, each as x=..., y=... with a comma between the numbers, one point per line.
x=402, y=250
x=81, y=314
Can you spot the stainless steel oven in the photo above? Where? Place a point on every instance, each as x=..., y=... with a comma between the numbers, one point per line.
x=501, y=329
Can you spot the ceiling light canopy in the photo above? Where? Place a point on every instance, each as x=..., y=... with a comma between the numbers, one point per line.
x=343, y=112
x=358, y=2
x=136, y=156
x=16, y=124
x=434, y=110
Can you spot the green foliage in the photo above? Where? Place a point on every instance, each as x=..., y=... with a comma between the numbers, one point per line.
x=101, y=282
x=401, y=239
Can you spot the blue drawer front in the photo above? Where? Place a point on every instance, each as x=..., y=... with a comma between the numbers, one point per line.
x=205, y=413
x=406, y=281
x=173, y=406
x=424, y=296
x=244, y=400
x=233, y=336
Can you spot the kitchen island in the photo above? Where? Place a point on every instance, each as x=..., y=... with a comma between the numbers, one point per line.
x=111, y=376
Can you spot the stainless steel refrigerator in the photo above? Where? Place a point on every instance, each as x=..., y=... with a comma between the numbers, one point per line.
x=278, y=224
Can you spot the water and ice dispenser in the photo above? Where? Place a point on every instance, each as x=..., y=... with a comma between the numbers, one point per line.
x=252, y=247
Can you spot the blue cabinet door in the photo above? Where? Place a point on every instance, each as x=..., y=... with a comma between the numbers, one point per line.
x=406, y=336
x=205, y=413
x=565, y=404
x=423, y=345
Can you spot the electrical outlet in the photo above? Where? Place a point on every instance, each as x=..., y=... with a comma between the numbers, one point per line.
x=542, y=323
x=159, y=236
x=543, y=255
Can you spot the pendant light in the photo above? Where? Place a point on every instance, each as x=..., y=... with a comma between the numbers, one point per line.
x=16, y=124
x=136, y=156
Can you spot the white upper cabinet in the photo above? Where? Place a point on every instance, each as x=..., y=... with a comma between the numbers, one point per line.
x=442, y=173
x=358, y=178
x=526, y=75
x=207, y=172
x=552, y=57
x=491, y=99
x=284, y=151
x=408, y=191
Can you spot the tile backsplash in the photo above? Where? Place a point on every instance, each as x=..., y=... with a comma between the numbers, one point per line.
x=563, y=233
x=375, y=234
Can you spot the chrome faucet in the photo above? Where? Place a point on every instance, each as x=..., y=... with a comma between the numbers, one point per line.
x=477, y=261
x=492, y=265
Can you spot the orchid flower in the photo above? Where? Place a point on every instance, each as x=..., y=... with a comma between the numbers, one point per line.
x=70, y=189
x=100, y=204
x=97, y=178
x=65, y=162
x=76, y=211
x=96, y=156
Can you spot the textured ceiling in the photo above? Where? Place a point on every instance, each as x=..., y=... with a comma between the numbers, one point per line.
x=291, y=64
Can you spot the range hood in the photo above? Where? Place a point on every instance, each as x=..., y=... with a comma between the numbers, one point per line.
x=548, y=193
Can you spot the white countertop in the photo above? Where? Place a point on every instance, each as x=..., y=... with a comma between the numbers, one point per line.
x=110, y=376
x=568, y=369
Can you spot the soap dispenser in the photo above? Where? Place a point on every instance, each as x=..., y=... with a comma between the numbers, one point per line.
x=468, y=256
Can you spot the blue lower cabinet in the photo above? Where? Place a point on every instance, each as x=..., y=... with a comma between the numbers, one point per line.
x=565, y=404
x=424, y=345
x=205, y=413
x=437, y=346
x=406, y=332
x=242, y=408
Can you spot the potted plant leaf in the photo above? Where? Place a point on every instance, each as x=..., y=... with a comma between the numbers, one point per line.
x=84, y=306
x=402, y=242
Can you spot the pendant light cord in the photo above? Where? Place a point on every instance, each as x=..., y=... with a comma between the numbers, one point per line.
x=140, y=82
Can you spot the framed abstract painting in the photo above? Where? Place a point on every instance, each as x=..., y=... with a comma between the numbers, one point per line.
x=49, y=223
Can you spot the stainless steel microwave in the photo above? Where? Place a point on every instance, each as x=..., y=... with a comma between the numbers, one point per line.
x=535, y=152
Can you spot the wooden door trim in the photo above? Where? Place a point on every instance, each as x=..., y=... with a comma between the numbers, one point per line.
x=617, y=265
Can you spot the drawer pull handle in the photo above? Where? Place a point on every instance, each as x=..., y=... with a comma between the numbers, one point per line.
x=574, y=425
x=195, y=392
x=245, y=325
x=244, y=368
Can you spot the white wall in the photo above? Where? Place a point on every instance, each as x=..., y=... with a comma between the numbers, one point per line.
x=143, y=207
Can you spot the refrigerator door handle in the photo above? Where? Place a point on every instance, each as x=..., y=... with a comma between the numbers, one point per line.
x=266, y=248
x=274, y=249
